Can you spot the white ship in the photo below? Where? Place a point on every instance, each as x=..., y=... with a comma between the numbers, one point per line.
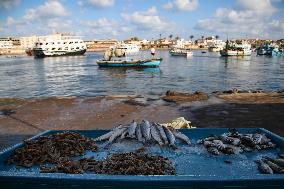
x=59, y=47
x=181, y=52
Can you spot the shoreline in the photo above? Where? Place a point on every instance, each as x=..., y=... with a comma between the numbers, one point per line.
x=230, y=109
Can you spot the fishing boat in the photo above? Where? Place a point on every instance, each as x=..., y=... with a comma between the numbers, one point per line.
x=130, y=63
x=269, y=50
x=236, y=49
x=181, y=52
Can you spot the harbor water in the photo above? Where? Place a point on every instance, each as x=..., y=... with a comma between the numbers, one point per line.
x=26, y=77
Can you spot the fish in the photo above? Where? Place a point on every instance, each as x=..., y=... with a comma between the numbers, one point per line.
x=208, y=144
x=145, y=129
x=156, y=135
x=138, y=134
x=170, y=136
x=162, y=133
x=274, y=166
x=131, y=129
x=116, y=134
x=278, y=161
x=219, y=144
x=104, y=137
x=213, y=150
x=263, y=167
x=123, y=135
x=181, y=136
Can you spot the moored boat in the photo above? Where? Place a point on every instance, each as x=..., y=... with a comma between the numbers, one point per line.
x=60, y=47
x=236, y=49
x=181, y=52
x=129, y=63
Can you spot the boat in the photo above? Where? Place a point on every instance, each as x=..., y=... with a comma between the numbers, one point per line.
x=59, y=47
x=181, y=52
x=126, y=48
x=269, y=50
x=236, y=49
x=29, y=51
x=130, y=63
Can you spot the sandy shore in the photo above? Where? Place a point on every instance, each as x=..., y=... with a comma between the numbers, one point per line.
x=32, y=116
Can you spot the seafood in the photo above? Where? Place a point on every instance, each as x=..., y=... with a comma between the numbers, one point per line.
x=155, y=135
x=145, y=129
x=145, y=132
x=234, y=142
x=181, y=136
x=213, y=150
x=274, y=166
x=170, y=136
x=117, y=164
x=263, y=167
x=51, y=149
x=131, y=129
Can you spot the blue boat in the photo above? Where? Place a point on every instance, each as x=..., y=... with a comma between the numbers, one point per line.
x=130, y=63
x=269, y=50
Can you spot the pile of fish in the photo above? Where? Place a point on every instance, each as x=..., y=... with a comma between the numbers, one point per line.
x=145, y=132
x=131, y=163
x=268, y=165
x=51, y=149
x=233, y=142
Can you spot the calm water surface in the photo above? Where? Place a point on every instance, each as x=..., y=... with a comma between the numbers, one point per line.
x=80, y=76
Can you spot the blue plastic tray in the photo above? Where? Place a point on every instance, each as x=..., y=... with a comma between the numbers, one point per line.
x=195, y=167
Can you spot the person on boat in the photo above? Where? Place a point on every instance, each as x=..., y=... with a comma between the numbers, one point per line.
x=153, y=52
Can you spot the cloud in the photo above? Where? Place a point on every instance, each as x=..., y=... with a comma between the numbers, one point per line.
x=97, y=3
x=104, y=27
x=243, y=19
x=8, y=4
x=147, y=20
x=181, y=5
x=50, y=9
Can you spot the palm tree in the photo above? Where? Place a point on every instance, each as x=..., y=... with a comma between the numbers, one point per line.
x=177, y=38
x=191, y=37
x=202, y=37
x=217, y=36
x=171, y=36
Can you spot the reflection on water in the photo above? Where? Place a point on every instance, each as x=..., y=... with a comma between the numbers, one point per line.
x=80, y=76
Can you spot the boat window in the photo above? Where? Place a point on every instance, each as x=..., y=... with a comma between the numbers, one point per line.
x=76, y=41
x=46, y=43
x=40, y=43
x=36, y=43
x=77, y=47
x=81, y=41
x=59, y=49
x=58, y=42
x=64, y=43
x=72, y=48
x=52, y=43
x=71, y=42
x=66, y=48
x=53, y=49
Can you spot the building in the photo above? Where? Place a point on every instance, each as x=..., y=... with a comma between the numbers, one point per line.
x=9, y=42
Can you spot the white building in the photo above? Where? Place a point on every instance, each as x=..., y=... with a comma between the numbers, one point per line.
x=6, y=43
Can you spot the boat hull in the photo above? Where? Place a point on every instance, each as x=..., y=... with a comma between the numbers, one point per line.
x=117, y=63
x=38, y=53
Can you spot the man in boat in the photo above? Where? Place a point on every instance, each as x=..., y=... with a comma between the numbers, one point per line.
x=153, y=52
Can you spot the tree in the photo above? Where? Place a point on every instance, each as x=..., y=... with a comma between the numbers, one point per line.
x=177, y=38
x=217, y=36
x=160, y=36
x=171, y=36
x=191, y=37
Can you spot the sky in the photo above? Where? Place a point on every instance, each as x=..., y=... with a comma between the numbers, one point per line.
x=145, y=19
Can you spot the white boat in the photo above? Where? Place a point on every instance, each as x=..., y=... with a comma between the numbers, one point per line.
x=59, y=47
x=126, y=48
x=181, y=52
x=236, y=49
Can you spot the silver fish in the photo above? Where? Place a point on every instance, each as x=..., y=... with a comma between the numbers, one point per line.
x=162, y=133
x=213, y=150
x=278, y=161
x=116, y=134
x=274, y=166
x=181, y=136
x=145, y=129
x=104, y=137
x=170, y=136
x=131, y=129
x=219, y=144
x=263, y=167
x=138, y=134
x=156, y=135
x=208, y=144
x=123, y=135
